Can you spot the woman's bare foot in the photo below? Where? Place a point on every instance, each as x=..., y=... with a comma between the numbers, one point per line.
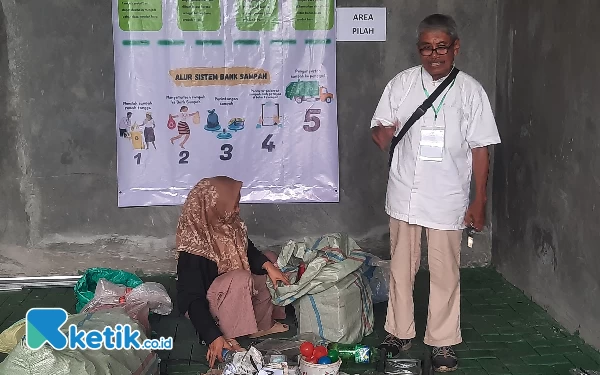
x=277, y=328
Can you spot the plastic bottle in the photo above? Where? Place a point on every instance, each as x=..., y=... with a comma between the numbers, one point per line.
x=301, y=270
x=359, y=354
x=227, y=355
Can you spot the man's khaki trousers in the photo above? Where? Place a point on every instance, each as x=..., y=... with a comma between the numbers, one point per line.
x=443, y=318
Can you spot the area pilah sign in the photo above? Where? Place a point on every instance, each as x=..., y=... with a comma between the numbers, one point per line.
x=361, y=24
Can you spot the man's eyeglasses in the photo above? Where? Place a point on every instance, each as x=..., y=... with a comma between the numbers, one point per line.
x=428, y=51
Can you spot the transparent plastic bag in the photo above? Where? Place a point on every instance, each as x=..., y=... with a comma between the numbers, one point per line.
x=87, y=284
x=245, y=363
x=580, y=371
x=289, y=347
x=377, y=272
x=137, y=302
x=312, y=338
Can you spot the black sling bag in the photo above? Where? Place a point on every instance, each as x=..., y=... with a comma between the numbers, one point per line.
x=420, y=111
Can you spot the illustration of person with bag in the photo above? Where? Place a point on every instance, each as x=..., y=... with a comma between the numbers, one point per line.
x=182, y=126
x=125, y=125
x=149, y=126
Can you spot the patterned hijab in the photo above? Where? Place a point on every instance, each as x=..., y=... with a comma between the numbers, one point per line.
x=210, y=225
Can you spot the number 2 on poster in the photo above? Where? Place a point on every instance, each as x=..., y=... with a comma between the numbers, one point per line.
x=184, y=155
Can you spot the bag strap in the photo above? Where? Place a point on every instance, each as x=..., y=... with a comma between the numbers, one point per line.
x=420, y=111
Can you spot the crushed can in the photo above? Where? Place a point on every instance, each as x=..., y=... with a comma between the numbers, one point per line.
x=403, y=366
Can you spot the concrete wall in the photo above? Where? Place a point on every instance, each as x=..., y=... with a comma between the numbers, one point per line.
x=547, y=172
x=13, y=224
x=58, y=162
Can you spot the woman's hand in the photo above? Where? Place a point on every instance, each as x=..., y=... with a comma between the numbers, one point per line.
x=275, y=274
x=215, y=350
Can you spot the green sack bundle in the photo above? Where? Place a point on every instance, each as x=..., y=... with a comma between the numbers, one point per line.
x=86, y=286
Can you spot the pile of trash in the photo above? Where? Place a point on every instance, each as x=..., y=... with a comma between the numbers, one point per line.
x=334, y=285
x=120, y=299
x=304, y=354
x=308, y=354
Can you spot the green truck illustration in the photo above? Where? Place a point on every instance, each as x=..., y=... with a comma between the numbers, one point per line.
x=302, y=91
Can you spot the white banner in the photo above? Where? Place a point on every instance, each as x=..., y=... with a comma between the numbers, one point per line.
x=243, y=88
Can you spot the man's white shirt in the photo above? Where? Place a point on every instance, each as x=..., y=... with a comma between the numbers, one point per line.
x=434, y=193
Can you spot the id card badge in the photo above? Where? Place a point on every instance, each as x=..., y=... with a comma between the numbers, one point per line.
x=432, y=143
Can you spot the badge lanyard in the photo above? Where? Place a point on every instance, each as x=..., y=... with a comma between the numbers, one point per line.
x=436, y=111
x=431, y=145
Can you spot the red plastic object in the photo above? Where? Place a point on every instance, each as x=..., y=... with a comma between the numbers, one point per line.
x=171, y=124
x=124, y=297
x=320, y=351
x=307, y=349
x=301, y=270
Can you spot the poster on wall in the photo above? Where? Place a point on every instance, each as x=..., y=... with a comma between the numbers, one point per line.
x=242, y=88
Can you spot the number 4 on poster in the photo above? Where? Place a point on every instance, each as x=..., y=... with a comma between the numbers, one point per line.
x=267, y=144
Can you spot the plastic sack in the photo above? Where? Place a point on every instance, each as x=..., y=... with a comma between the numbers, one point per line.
x=86, y=286
x=46, y=360
x=342, y=313
x=328, y=260
x=11, y=336
x=331, y=297
x=137, y=302
x=377, y=272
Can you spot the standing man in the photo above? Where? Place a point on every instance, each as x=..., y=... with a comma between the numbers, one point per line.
x=429, y=185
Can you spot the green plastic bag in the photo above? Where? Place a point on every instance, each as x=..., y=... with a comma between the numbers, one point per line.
x=86, y=286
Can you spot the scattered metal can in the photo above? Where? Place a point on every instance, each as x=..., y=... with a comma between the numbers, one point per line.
x=398, y=366
x=278, y=358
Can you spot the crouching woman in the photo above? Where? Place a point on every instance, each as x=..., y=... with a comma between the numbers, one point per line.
x=221, y=275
